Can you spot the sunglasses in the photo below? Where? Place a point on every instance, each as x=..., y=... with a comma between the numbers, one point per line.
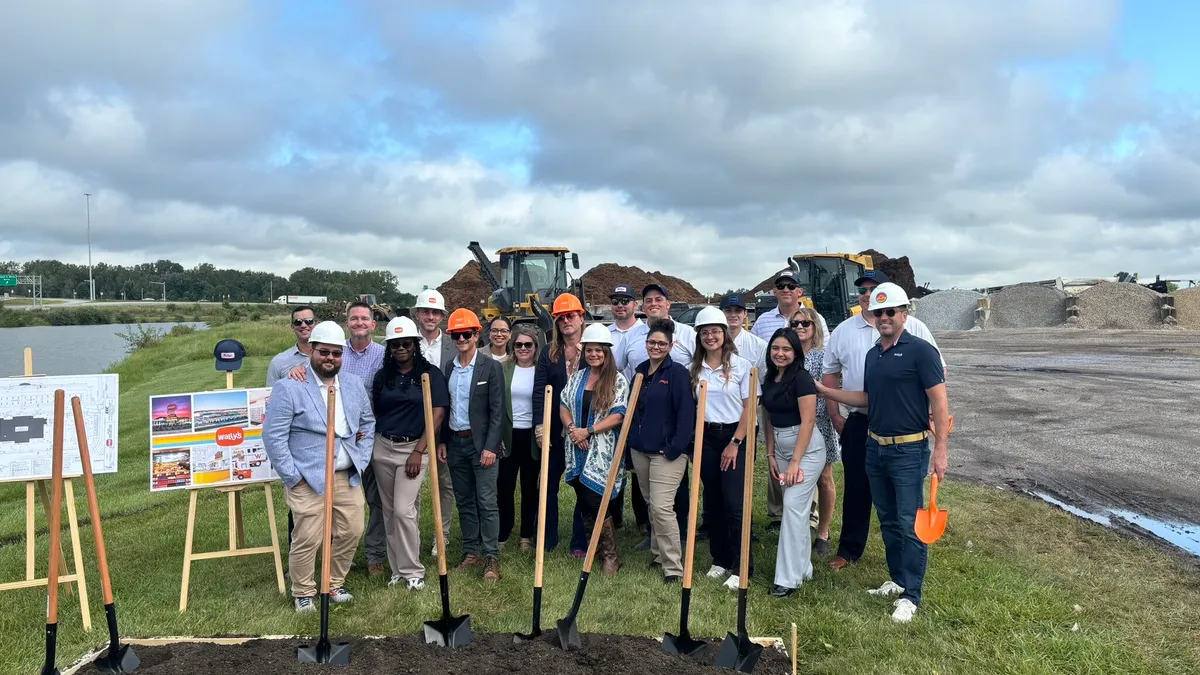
x=620, y=301
x=303, y=322
x=462, y=336
x=523, y=345
x=326, y=353
x=891, y=311
x=786, y=287
x=805, y=323
x=401, y=344
x=861, y=290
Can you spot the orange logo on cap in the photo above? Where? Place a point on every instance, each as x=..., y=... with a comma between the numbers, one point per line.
x=881, y=297
x=398, y=330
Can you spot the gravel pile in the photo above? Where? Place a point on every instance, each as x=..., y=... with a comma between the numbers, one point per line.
x=1028, y=306
x=1114, y=305
x=952, y=309
x=1187, y=307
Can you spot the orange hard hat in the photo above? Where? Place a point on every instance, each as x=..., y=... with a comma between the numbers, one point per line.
x=462, y=319
x=565, y=304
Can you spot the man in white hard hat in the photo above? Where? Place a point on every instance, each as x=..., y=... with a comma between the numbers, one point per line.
x=787, y=293
x=904, y=379
x=293, y=436
x=429, y=312
x=845, y=354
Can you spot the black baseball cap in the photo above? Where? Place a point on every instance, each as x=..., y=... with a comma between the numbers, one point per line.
x=229, y=354
x=786, y=274
x=733, y=301
x=622, y=291
x=656, y=287
x=872, y=275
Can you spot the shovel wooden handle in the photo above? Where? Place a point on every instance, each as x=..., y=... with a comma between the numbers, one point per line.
x=933, y=488
x=431, y=451
x=327, y=532
x=85, y=456
x=56, y=485
x=543, y=480
x=613, y=470
x=694, y=495
x=751, y=447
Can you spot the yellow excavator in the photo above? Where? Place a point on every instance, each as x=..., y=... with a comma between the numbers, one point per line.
x=828, y=283
x=529, y=280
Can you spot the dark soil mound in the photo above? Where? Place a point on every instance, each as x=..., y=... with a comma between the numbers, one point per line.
x=467, y=288
x=899, y=270
x=488, y=654
x=599, y=281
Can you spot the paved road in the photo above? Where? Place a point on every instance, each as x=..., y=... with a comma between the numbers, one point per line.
x=1102, y=419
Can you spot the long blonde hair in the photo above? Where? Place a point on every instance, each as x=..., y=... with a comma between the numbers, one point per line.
x=728, y=349
x=818, y=337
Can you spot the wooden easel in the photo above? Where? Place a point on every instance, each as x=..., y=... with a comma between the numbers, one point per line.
x=237, y=535
x=77, y=576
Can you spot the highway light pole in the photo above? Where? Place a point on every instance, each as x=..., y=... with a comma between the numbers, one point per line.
x=91, y=282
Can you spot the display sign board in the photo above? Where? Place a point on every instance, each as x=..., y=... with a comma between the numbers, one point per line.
x=27, y=425
x=10, y=280
x=208, y=438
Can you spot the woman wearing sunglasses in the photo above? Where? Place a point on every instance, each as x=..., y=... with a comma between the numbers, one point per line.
x=523, y=455
x=804, y=322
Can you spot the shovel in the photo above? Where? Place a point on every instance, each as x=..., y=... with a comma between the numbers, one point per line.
x=737, y=651
x=324, y=652
x=56, y=487
x=683, y=643
x=931, y=522
x=120, y=658
x=568, y=629
x=448, y=631
x=541, y=527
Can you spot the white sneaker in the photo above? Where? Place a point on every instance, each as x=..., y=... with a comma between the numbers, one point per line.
x=415, y=584
x=305, y=605
x=340, y=594
x=396, y=578
x=888, y=588
x=733, y=582
x=905, y=610
x=717, y=572
x=433, y=550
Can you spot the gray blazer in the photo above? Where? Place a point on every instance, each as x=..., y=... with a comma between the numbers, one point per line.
x=293, y=430
x=488, y=402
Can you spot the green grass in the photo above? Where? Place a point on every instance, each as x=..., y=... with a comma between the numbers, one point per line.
x=20, y=302
x=999, y=596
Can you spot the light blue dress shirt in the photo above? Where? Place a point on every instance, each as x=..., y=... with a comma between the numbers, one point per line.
x=460, y=395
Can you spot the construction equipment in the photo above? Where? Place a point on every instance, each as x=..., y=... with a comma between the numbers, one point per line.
x=529, y=280
x=382, y=312
x=828, y=282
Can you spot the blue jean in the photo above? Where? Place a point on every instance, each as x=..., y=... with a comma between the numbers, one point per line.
x=897, y=475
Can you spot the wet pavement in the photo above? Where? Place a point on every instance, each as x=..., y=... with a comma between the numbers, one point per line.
x=1102, y=421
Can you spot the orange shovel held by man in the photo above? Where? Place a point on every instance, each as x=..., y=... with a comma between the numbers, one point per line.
x=931, y=522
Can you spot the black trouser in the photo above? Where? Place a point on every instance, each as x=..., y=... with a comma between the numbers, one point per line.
x=723, y=492
x=520, y=463
x=641, y=511
x=558, y=466
x=856, y=490
x=588, y=501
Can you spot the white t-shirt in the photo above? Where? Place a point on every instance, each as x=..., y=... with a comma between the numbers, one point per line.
x=634, y=348
x=522, y=397
x=846, y=351
x=341, y=459
x=726, y=397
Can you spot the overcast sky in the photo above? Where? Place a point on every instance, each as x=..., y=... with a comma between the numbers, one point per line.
x=990, y=141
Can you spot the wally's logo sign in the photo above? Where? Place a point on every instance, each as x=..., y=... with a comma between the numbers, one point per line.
x=230, y=436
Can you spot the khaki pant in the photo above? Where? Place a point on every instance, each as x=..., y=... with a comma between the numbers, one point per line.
x=659, y=480
x=308, y=510
x=400, y=498
x=446, y=494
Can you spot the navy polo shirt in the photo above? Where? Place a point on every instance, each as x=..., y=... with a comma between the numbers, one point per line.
x=399, y=409
x=895, y=381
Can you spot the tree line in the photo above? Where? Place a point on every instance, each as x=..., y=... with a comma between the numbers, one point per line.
x=203, y=283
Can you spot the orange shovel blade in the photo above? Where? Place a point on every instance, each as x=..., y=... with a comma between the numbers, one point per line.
x=931, y=522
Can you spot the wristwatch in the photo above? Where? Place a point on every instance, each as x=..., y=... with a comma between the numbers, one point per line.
x=737, y=441
x=591, y=430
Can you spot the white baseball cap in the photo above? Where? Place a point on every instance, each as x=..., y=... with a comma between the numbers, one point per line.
x=884, y=296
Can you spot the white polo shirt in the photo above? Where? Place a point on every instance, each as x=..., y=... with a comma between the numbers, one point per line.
x=618, y=345
x=753, y=349
x=846, y=350
x=634, y=348
x=766, y=325
x=726, y=397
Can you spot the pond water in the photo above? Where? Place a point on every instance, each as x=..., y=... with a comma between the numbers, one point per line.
x=68, y=350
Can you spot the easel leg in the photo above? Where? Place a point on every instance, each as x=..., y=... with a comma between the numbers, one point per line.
x=77, y=554
x=187, y=552
x=274, y=538
x=233, y=521
x=41, y=484
x=241, y=529
x=30, y=531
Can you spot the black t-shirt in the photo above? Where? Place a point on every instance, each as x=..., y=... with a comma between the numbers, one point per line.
x=779, y=398
x=399, y=410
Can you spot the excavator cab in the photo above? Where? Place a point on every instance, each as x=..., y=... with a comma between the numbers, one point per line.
x=529, y=280
x=828, y=282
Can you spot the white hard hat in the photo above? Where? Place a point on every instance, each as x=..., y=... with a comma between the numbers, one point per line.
x=597, y=333
x=884, y=296
x=711, y=316
x=430, y=299
x=328, y=333
x=400, y=327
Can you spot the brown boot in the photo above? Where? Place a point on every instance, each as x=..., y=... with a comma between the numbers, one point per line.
x=491, y=570
x=608, y=548
x=469, y=561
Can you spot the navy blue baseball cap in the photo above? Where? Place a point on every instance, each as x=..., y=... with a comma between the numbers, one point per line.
x=656, y=287
x=229, y=354
x=872, y=275
x=623, y=291
x=733, y=301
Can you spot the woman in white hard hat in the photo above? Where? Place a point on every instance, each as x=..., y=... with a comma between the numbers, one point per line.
x=795, y=454
x=591, y=408
x=805, y=323
x=523, y=457
x=726, y=422
x=400, y=455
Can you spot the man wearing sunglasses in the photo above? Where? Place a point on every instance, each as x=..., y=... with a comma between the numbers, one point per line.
x=303, y=319
x=788, y=293
x=903, y=381
x=624, y=311
x=845, y=358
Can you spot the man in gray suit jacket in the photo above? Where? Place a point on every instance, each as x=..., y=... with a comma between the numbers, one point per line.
x=471, y=435
x=294, y=438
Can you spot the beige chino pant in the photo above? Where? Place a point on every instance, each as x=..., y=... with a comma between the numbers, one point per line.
x=308, y=513
x=400, y=497
x=659, y=480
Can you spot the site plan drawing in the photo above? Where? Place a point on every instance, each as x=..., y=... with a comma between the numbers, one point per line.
x=27, y=425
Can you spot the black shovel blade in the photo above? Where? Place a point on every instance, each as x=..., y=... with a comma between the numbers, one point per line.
x=568, y=633
x=450, y=631
x=51, y=647
x=518, y=638
x=324, y=652
x=124, y=660
x=738, y=653
x=684, y=645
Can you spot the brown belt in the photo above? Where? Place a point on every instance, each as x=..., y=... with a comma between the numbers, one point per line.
x=465, y=433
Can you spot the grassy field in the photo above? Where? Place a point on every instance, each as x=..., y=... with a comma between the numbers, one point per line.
x=1014, y=587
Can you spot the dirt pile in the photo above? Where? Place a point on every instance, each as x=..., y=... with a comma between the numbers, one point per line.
x=1114, y=305
x=466, y=288
x=1187, y=307
x=899, y=270
x=599, y=281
